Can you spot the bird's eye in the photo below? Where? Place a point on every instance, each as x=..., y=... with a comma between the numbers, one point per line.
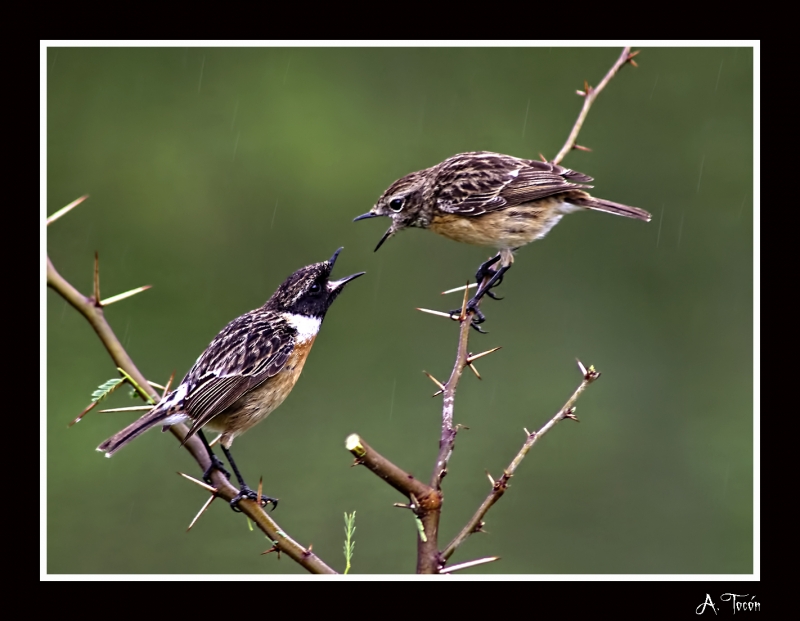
x=315, y=288
x=396, y=204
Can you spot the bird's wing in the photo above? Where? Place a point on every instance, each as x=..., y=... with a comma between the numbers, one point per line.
x=247, y=352
x=489, y=183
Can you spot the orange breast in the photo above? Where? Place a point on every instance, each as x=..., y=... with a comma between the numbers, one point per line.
x=259, y=403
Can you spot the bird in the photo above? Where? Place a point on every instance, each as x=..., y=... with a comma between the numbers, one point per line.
x=490, y=199
x=247, y=370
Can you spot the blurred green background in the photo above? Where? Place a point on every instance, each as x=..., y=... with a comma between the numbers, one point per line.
x=214, y=173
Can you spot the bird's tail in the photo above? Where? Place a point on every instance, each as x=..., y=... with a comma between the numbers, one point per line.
x=599, y=204
x=154, y=417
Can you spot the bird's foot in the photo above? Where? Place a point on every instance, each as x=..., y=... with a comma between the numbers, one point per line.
x=246, y=492
x=216, y=464
x=477, y=316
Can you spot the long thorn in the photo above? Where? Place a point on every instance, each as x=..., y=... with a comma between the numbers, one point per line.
x=260, y=489
x=134, y=408
x=84, y=413
x=474, y=370
x=215, y=441
x=169, y=383
x=274, y=548
x=202, y=511
x=463, y=314
x=202, y=484
x=66, y=209
x=122, y=296
x=434, y=380
x=439, y=313
x=97, y=280
x=468, y=564
x=473, y=357
x=456, y=289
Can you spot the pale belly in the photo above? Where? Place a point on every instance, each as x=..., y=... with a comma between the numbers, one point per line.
x=504, y=229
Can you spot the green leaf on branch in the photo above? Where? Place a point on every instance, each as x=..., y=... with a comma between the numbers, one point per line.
x=106, y=389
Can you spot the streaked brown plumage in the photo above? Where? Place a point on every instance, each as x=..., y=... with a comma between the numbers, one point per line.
x=249, y=368
x=490, y=199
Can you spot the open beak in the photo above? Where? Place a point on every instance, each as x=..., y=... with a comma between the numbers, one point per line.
x=389, y=232
x=333, y=285
x=364, y=216
x=332, y=260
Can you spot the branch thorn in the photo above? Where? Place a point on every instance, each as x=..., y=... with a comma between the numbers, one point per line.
x=468, y=564
x=570, y=413
x=456, y=289
x=439, y=313
x=205, y=506
x=122, y=296
x=97, y=301
x=84, y=413
x=474, y=370
x=274, y=548
x=169, y=383
x=437, y=382
x=68, y=208
x=202, y=484
x=134, y=408
x=473, y=357
x=463, y=314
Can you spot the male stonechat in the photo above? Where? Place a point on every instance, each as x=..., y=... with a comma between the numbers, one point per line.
x=489, y=199
x=248, y=369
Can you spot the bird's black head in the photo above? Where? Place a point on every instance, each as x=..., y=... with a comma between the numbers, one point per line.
x=309, y=291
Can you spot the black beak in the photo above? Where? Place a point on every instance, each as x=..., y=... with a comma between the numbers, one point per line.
x=386, y=236
x=364, y=216
x=338, y=284
x=332, y=260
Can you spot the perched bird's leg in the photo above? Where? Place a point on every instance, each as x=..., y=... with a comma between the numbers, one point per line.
x=485, y=271
x=244, y=490
x=216, y=462
x=495, y=278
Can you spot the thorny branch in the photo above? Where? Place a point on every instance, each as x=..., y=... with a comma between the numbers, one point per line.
x=589, y=95
x=429, y=559
x=422, y=497
x=92, y=309
x=499, y=487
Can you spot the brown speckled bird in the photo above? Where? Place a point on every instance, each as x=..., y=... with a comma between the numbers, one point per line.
x=248, y=369
x=489, y=199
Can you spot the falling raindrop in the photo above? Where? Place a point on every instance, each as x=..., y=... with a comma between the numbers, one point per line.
x=525, y=122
